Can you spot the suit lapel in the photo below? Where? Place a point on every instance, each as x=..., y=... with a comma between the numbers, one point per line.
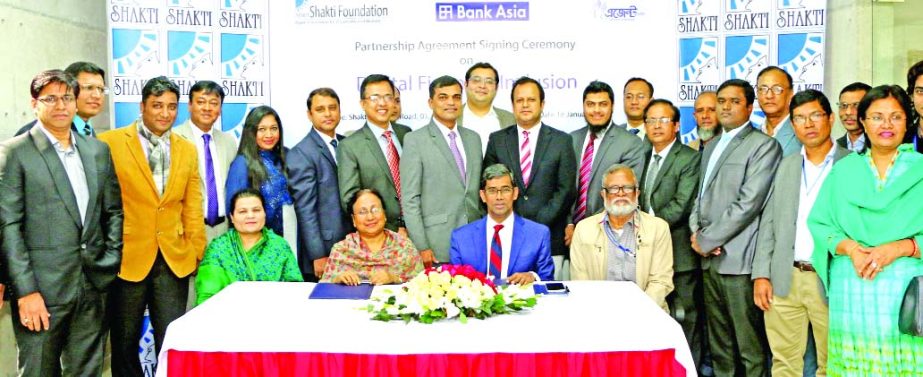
x=375, y=150
x=472, y=154
x=517, y=241
x=541, y=144
x=175, y=162
x=512, y=147
x=58, y=174
x=732, y=145
x=88, y=157
x=607, y=142
x=666, y=165
x=133, y=143
x=480, y=245
x=322, y=146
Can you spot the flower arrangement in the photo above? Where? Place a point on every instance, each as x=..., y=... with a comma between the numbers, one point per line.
x=449, y=291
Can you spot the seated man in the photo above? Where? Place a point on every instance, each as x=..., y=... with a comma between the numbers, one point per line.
x=519, y=250
x=623, y=243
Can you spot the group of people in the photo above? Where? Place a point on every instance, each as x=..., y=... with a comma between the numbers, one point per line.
x=765, y=242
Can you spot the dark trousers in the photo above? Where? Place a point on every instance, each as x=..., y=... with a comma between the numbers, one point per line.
x=73, y=344
x=163, y=293
x=687, y=307
x=736, y=334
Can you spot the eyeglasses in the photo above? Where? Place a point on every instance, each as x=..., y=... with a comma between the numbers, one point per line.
x=639, y=97
x=374, y=211
x=53, y=100
x=777, y=89
x=815, y=117
x=493, y=191
x=377, y=98
x=662, y=121
x=895, y=119
x=847, y=106
x=95, y=89
x=482, y=80
x=628, y=189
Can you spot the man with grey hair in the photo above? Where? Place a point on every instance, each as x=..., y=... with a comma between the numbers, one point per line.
x=503, y=244
x=637, y=245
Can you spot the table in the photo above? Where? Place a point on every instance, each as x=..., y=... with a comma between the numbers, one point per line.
x=266, y=329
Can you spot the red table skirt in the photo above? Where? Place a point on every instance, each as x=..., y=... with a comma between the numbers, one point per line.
x=646, y=363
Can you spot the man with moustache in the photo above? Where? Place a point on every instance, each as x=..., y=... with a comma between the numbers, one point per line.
x=440, y=171
x=774, y=92
x=737, y=173
x=542, y=160
x=92, y=99
x=636, y=94
x=847, y=109
x=597, y=146
x=706, y=120
x=479, y=114
x=668, y=188
x=623, y=243
x=785, y=285
x=312, y=175
x=164, y=233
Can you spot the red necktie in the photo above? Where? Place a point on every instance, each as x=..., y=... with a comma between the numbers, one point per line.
x=394, y=163
x=496, y=254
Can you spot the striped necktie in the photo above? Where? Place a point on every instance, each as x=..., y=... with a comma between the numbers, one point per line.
x=525, y=161
x=496, y=254
x=586, y=167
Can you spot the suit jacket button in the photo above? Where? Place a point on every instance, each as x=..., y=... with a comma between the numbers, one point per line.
x=525, y=197
x=159, y=233
x=160, y=209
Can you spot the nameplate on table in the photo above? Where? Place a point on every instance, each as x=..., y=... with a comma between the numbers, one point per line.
x=330, y=291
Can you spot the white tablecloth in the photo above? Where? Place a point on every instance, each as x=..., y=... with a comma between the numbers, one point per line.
x=596, y=316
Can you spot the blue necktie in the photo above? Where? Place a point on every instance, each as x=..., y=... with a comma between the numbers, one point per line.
x=634, y=131
x=211, y=188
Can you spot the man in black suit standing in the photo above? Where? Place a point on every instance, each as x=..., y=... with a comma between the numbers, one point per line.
x=542, y=160
x=64, y=250
x=847, y=109
x=312, y=173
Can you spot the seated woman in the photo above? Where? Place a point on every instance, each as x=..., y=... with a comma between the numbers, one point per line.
x=247, y=252
x=371, y=253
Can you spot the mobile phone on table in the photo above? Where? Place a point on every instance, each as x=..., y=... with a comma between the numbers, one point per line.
x=555, y=287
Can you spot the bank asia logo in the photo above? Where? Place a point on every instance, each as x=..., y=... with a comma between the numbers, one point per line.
x=483, y=11
x=687, y=130
x=135, y=52
x=241, y=55
x=233, y=116
x=745, y=56
x=801, y=54
x=189, y=53
x=698, y=60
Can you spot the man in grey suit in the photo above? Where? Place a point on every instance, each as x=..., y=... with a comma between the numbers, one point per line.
x=668, y=188
x=774, y=92
x=312, y=175
x=737, y=173
x=64, y=250
x=370, y=157
x=440, y=173
x=479, y=114
x=785, y=284
x=597, y=146
x=216, y=151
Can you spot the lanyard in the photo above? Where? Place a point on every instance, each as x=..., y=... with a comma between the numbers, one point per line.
x=804, y=175
x=615, y=239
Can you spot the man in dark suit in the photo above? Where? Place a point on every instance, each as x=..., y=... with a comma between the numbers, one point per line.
x=737, y=171
x=668, y=188
x=371, y=156
x=542, y=161
x=92, y=99
x=848, y=107
x=312, y=174
x=63, y=251
x=522, y=246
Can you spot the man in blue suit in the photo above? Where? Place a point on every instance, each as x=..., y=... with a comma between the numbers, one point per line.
x=502, y=244
x=312, y=173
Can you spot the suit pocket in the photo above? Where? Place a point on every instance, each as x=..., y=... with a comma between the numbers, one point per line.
x=435, y=219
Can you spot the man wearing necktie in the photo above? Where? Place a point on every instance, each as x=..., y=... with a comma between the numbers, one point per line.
x=542, y=161
x=312, y=175
x=91, y=79
x=440, y=170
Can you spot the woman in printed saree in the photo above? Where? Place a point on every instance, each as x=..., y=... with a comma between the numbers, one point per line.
x=867, y=226
x=371, y=253
x=247, y=252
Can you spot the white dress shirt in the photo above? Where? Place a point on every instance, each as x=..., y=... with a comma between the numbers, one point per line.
x=213, y=150
x=382, y=143
x=506, y=241
x=812, y=178
x=533, y=139
x=73, y=167
x=333, y=151
x=483, y=125
x=641, y=131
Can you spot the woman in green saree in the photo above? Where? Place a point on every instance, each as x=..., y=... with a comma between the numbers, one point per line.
x=867, y=226
x=248, y=252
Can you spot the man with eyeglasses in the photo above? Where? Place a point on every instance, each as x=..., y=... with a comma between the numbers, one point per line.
x=847, y=109
x=774, y=92
x=62, y=235
x=90, y=102
x=785, y=285
x=503, y=244
x=371, y=156
x=737, y=173
x=637, y=92
x=478, y=113
x=668, y=188
x=705, y=112
x=439, y=173
x=623, y=243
